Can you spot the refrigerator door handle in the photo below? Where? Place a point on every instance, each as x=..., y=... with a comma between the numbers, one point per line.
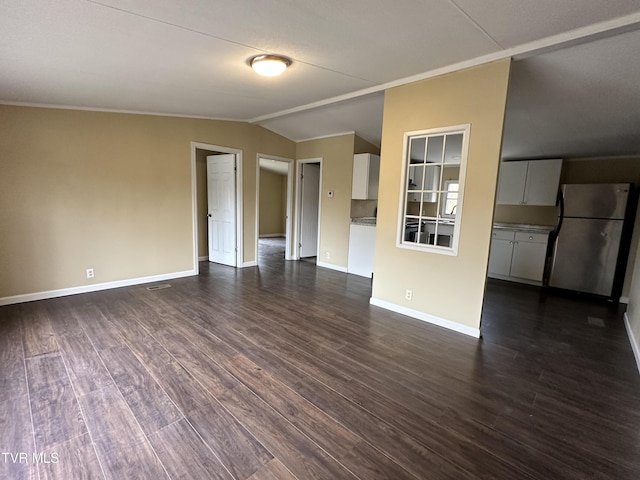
x=560, y=203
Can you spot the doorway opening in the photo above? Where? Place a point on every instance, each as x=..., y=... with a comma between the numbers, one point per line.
x=308, y=210
x=274, y=180
x=201, y=202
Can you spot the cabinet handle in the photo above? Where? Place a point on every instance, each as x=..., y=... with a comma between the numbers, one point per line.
x=530, y=237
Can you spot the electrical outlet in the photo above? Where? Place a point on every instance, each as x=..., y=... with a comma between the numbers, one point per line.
x=327, y=255
x=408, y=295
x=90, y=273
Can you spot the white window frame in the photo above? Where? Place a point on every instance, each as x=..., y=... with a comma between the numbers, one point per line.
x=446, y=197
x=452, y=250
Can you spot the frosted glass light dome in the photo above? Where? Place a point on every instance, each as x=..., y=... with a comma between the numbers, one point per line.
x=269, y=65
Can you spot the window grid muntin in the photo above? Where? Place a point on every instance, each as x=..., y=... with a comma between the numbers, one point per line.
x=424, y=229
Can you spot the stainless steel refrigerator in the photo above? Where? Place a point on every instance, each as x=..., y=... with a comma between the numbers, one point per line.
x=589, y=235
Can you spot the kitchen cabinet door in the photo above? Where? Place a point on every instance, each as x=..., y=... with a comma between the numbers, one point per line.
x=528, y=260
x=529, y=182
x=500, y=256
x=518, y=255
x=511, y=184
x=366, y=176
x=362, y=244
x=543, y=179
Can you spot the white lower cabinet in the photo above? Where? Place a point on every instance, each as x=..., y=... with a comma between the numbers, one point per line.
x=501, y=252
x=362, y=245
x=518, y=255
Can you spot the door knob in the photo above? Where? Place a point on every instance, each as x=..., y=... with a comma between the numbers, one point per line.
x=209, y=215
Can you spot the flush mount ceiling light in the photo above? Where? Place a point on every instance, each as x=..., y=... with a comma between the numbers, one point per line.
x=269, y=65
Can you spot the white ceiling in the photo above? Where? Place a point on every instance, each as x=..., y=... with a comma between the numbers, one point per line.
x=573, y=92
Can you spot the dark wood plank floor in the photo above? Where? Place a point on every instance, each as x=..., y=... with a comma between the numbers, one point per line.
x=286, y=372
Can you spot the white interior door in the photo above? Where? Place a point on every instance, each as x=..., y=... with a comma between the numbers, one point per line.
x=221, y=216
x=310, y=195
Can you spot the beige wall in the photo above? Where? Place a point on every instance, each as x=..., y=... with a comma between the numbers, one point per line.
x=526, y=214
x=447, y=287
x=360, y=145
x=273, y=202
x=337, y=170
x=107, y=191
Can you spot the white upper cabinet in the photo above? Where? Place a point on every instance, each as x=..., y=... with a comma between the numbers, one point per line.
x=513, y=179
x=366, y=176
x=529, y=182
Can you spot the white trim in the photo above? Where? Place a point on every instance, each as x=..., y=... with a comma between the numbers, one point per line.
x=112, y=110
x=194, y=209
x=331, y=135
x=555, y=42
x=298, y=201
x=634, y=342
x=249, y=264
x=239, y=203
x=425, y=317
x=204, y=258
x=624, y=300
x=465, y=129
x=96, y=287
x=331, y=266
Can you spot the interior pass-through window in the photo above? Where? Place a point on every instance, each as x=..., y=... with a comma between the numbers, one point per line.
x=433, y=189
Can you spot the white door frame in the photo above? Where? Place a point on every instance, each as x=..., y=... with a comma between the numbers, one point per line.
x=296, y=240
x=194, y=199
x=290, y=165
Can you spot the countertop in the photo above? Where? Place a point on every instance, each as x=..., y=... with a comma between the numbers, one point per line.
x=522, y=227
x=367, y=221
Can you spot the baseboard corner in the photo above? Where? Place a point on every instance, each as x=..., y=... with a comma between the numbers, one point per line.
x=425, y=317
x=331, y=266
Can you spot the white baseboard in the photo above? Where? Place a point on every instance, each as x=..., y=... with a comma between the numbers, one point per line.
x=96, y=287
x=526, y=281
x=624, y=300
x=351, y=272
x=203, y=258
x=254, y=263
x=634, y=342
x=331, y=266
x=425, y=317
x=271, y=235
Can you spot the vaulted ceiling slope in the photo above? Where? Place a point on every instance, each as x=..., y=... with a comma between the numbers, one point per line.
x=189, y=57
